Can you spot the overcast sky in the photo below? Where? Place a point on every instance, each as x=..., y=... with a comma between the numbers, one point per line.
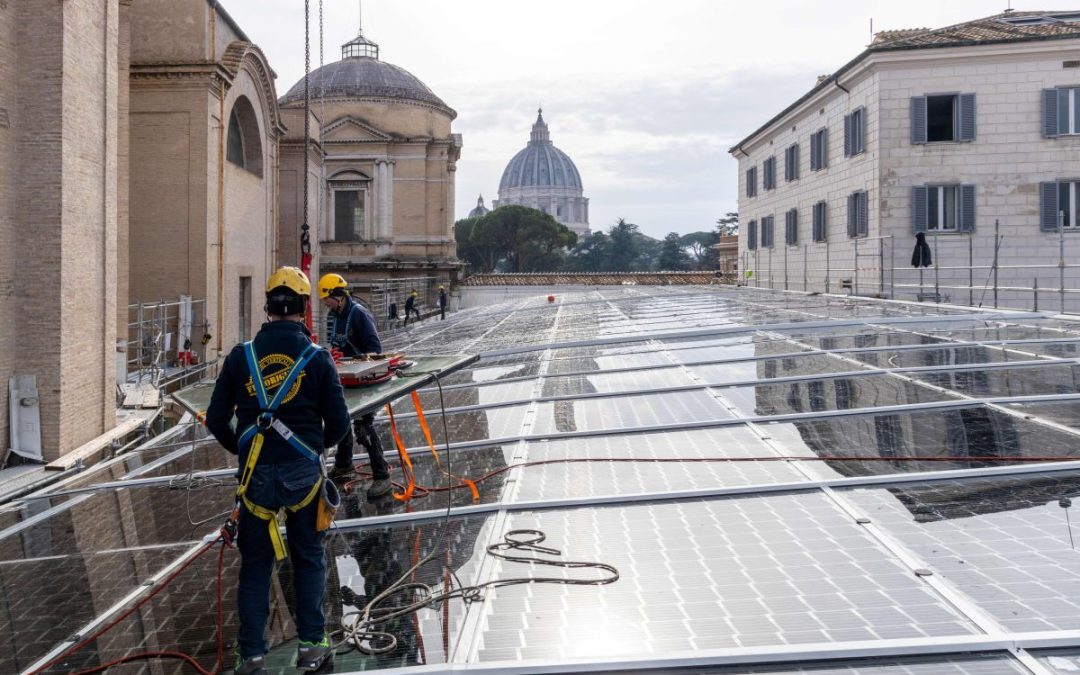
x=646, y=97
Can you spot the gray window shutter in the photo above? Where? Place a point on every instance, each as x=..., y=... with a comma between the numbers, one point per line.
x=751, y=235
x=919, y=204
x=918, y=120
x=966, y=103
x=1050, y=113
x=847, y=136
x=1048, y=209
x=813, y=152
x=863, y=228
x=967, y=208
x=823, y=148
x=852, y=214
x=794, y=162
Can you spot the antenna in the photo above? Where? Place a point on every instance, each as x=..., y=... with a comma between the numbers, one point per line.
x=871, y=29
x=360, y=16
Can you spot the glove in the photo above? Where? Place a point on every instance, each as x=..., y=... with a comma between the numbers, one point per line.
x=336, y=354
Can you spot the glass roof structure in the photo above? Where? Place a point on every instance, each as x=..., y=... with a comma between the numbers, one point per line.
x=783, y=483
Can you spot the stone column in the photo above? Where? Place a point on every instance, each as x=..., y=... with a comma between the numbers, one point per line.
x=388, y=233
x=380, y=199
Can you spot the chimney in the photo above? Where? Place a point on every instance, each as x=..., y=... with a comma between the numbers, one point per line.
x=821, y=78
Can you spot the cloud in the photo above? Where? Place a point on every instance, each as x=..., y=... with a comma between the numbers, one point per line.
x=653, y=150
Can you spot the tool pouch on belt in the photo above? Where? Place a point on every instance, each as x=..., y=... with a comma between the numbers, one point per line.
x=329, y=502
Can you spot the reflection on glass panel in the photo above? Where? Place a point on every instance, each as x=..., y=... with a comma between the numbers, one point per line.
x=793, y=366
x=361, y=565
x=51, y=599
x=1066, y=412
x=156, y=514
x=1064, y=661
x=841, y=393
x=933, y=440
x=1009, y=543
x=1007, y=381
x=736, y=573
x=936, y=356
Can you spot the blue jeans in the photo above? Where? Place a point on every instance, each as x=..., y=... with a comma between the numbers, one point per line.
x=274, y=486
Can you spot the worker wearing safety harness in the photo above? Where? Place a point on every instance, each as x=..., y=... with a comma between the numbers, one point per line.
x=289, y=407
x=351, y=329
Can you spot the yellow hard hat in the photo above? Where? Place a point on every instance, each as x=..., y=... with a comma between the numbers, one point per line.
x=330, y=283
x=291, y=278
x=441, y=287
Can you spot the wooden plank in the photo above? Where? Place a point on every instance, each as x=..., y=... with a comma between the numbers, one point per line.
x=90, y=450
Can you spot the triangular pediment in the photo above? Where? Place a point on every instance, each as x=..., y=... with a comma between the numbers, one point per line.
x=351, y=129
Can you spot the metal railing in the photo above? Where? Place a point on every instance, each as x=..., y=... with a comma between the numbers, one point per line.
x=165, y=344
x=867, y=266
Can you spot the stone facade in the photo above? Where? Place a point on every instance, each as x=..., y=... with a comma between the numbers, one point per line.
x=1005, y=163
x=59, y=108
x=389, y=157
x=202, y=224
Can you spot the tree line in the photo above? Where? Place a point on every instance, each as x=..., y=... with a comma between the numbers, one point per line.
x=520, y=239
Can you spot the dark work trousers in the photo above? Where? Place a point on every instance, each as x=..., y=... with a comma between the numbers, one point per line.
x=409, y=312
x=363, y=431
x=274, y=486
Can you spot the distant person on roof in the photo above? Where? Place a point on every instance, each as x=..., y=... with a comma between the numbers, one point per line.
x=442, y=302
x=410, y=307
x=350, y=328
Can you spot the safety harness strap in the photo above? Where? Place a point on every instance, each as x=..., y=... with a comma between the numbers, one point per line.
x=267, y=420
x=272, y=517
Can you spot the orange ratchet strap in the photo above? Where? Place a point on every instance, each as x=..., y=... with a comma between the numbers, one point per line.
x=431, y=444
x=406, y=463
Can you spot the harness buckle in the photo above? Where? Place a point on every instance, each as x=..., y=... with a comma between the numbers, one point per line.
x=265, y=421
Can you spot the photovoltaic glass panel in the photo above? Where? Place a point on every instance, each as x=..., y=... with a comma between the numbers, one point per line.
x=766, y=369
x=1008, y=543
x=1066, y=413
x=913, y=442
x=965, y=664
x=473, y=425
x=740, y=572
x=843, y=393
x=935, y=356
x=627, y=412
x=609, y=474
x=1033, y=381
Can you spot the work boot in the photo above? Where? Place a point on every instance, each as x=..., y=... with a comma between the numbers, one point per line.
x=380, y=487
x=337, y=472
x=311, y=656
x=254, y=665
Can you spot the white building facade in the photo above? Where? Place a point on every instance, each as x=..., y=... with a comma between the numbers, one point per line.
x=960, y=133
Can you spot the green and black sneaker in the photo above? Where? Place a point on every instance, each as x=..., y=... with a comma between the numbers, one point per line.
x=311, y=656
x=254, y=665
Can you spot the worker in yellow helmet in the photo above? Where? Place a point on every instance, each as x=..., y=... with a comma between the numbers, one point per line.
x=442, y=302
x=410, y=307
x=350, y=327
x=289, y=406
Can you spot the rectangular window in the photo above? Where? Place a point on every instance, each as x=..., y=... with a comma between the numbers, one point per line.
x=942, y=118
x=791, y=162
x=791, y=227
x=751, y=182
x=819, y=150
x=942, y=211
x=943, y=208
x=751, y=235
x=820, y=230
x=858, y=217
x=244, y=333
x=768, y=173
x=1068, y=111
x=855, y=133
x=767, y=232
x=348, y=215
x=1067, y=193
x=1064, y=119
